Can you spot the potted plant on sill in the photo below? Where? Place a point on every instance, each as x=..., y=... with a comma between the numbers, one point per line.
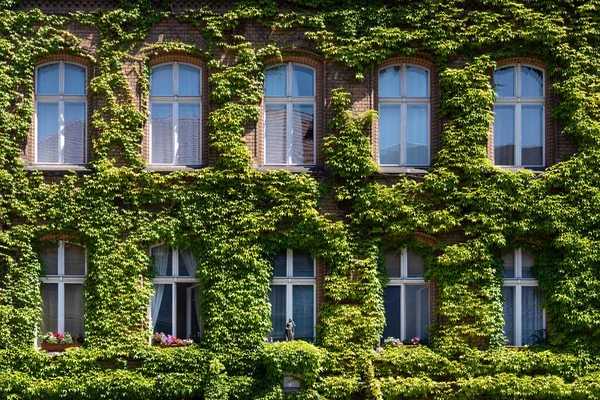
x=57, y=342
x=162, y=340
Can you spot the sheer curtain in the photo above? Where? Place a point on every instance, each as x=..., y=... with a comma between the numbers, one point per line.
x=533, y=315
x=161, y=254
x=189, y=262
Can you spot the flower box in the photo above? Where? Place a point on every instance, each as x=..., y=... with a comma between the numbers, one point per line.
x=58, y=347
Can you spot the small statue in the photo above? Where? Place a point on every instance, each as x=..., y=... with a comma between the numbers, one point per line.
x=290, y=330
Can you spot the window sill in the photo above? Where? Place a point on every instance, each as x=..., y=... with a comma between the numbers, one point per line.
x=390, y=170
x=59, y=168
x=296, y=169
x=534, y=170
x=171, y=168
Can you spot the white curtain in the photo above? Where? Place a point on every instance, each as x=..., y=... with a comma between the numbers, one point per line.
x=189, y=261
x=161, y=254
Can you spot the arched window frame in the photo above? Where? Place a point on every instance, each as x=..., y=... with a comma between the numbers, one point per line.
x=61, y=98
x=403, y=101
x=290, y=101
x=518, y=101
x=176, y=100
x=173, y=280
x=61, y=279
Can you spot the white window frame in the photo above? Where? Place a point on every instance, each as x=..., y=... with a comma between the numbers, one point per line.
x=61, y=98
x=518, y=101
x=403, y=281
x=518, y=283
x=61, y=279
x=403, y=102
x=290, y=101
x=173, y=281
x=176, y=100
x=289, y=281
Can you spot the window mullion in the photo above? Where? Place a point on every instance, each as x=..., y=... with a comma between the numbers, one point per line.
x=403, y=114
x=518, y=160
x=518, y=315
x=61, y=131
x=289, y=309
x=61, y=308
x=403, y=312
x=174, y=308
x=175, y=130
x=289, y=132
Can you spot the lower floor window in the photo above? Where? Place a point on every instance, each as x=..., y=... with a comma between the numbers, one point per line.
x=63, y=308
x=296, y=302
x=175, y=309
x=407, y=311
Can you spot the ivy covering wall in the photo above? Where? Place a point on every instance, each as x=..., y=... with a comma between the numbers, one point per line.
x=236, y=218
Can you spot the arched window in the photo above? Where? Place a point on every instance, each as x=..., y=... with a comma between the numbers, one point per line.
x=62, y=288
x=290, y=115
x=404, y=116
x=524, y=318
x=60, y=118
x=174, y=309
x=293, y=294
x=175, y=114
x=519, y=116
x=406, y=296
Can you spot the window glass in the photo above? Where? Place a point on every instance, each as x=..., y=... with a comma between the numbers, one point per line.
x=280, y=265
x=389, y=133
x=389, y=82
x=303, y=265
x=417, y=311
x=508, y=292
x=162, y=309
x=187, y=262
x=527, y=265
x=189, y=81
x=509, y=264
x=417, y=82
x=275, y=81
x=504, y=81
x=276, y=134
x=74, y=79
x=392, y=264
x=47, y=132
x=162, y=133
x=532, y=82
x=417, y=123
x=50, y=303
x=74, y=309
x=188, y=135
x=74, y=259
x=303, y=133
x=163, y=260
x=532, y=134
x=161, y=81
x=504, y=135
x=303, y=311
x=392, y=312
x=74, y=148
x=416, y=265
x=49, y=256
x=278, y=311
x=302, y=81
x=47, y=82
x=532, y=314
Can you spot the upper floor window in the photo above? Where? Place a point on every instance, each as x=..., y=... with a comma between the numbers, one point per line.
x=406, y=296
x=290, y=115
x=404, y=116
x=519, y=116
x=175, y=306
x=60, y=118
x=175, y=114
x=62, y=288
x=293, y=294
x=524, y=319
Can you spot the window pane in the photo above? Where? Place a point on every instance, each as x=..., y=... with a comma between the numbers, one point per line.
x=303, y=134
x=389, y=134
x=416, y=265
x=47, y=79
x=509, y=264
x=532, y=82
x=163, y=260
x=189, y=81
x=508, y=292
x=275, y=81
x=49, y=256
x=532, y=134
x=417, y=82
x=74, y=309
x=74, y=133
x=417, y=124
x=163, y=302
x=417, y=311
x=275, y=134
x=527, y=265
x=161, y=118
x=504, y=81
x=74, y=259
x=188, y=135
x=302, y=81
x=533, y=317
x=303, y=311
x=304, y=265
x=389, y=82
x=161, y=81
x=187, y=262
x=392, y=264
x=504, y=135
x=47, y=132
x=280, y=265
x=278, y=307
x=196, y=328
x=50, y=300
x=392, y=312
x=74, y=79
